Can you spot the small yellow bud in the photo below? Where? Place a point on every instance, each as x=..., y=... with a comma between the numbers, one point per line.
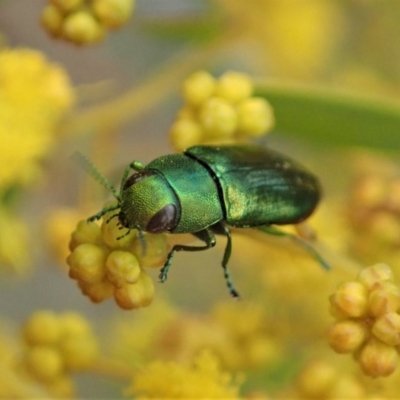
x=67, y=5
x=79, y=353
x=81, y=27
x=316, y=379
x=74, y=325
x=52, y=19
x=378, y=359
x=185, y=133
x=234, y=86
x=148, y=289
x=85, y=232
x=198, y=87
x=387, y=328
x=347, y=336
x=156, y=250
x=113, y=13
x=377, y=273
x=351, y=298
x=139, y=294
x=42, y=327
x=218, y=118
x=97, y=291
x=113, y=236
x=129, y=296
x=122, y=267
x=384, y=298
x=87, y=263
x=255, y=116
x=44, y=363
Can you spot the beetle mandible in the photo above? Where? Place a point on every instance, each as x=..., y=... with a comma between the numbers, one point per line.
x=208, y=189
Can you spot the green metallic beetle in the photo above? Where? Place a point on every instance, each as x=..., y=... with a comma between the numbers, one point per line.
x=209, y=188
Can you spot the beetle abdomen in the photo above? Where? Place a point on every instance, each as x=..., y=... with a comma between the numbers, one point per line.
x=259, y=186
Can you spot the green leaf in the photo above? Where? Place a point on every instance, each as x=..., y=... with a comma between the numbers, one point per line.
x=334, y=118
x=195, y=29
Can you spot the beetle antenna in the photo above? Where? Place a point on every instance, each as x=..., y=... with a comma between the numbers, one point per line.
x=89, y=167
x=102, y=212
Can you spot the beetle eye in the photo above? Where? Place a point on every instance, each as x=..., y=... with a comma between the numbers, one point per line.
x=163, y=220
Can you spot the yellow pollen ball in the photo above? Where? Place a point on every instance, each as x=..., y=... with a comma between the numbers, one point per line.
x=113, y=236
x=387, y=329
x=234, y=86
x=378, y=359
x=377, y=273
x=198, y=87
x=74, y=325
x=81, y=27
x=351, y=299
x=218, y=118
x=44, y=363
x=42, y=327
x=85, y=232
x=113, y=13
x=148, y=289
x=384, y=298
x=79, y=353
x=52, y=19
x=97, y=291
x=87, y=263
x=122, y=267
x=156, y=250
x=185, y=133
x=139, y=294
x=347, y=336
x=255, y=116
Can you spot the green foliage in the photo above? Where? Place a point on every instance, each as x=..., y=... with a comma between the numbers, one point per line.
x=334, y=118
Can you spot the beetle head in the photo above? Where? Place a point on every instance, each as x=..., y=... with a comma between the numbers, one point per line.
x=149, y=203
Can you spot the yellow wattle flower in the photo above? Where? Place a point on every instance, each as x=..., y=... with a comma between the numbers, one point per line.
x=203, y=378
x=34, y=95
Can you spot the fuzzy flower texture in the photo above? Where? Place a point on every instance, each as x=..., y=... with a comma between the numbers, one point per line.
x=34, y=95
x=56, y=346
x=201, y=379
x=106, y=264
x=84, y=22
x=368, y=320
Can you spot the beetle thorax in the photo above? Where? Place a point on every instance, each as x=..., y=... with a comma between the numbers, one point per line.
x=149, y=203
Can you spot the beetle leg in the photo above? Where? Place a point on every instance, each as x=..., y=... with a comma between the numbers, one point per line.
x=221, y=229
x=205, y=235
x=272, y=230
